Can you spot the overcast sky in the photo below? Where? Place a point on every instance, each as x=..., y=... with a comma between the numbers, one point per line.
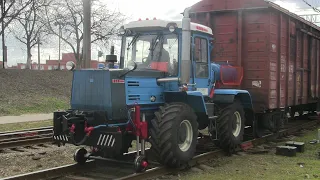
x=161, y=9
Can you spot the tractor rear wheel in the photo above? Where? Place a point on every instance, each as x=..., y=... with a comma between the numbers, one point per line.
x=230, y=127
x=173, y=134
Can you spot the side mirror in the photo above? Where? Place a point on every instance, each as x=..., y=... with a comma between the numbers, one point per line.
x=132, y=65
x=70, y=66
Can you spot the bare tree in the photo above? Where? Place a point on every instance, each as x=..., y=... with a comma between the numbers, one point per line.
x=27, y=27
x=12, y=10
x=64, y=18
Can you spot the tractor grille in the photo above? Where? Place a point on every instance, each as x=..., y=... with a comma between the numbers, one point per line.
x=134, y=97
x=133, y=83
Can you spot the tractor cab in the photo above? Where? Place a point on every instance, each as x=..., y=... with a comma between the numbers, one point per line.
x=156, y=45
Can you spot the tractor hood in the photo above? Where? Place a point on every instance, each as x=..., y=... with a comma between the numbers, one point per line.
x=104, y=90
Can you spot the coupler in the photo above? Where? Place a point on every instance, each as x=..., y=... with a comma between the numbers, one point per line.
x=104, y=139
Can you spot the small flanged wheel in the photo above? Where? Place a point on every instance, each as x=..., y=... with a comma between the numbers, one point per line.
x=140, y=164
x=80, y=156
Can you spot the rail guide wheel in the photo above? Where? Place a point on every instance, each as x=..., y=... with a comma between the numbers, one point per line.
x=80, y=156
x=140, y=164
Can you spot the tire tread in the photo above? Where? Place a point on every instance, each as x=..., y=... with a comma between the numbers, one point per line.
x=161, y=132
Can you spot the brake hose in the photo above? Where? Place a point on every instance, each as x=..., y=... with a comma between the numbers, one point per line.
x=85, y=138
x=79, y=143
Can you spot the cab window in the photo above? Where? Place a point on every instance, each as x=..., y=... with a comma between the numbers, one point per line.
x=201, y=57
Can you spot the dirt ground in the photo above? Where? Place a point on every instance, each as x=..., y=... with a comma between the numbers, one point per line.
x=31, y=91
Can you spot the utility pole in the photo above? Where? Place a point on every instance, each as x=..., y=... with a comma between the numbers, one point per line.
x=39, y=53
x=86, y=34
x=59, y=24
x=60, y=34
x=4, y=49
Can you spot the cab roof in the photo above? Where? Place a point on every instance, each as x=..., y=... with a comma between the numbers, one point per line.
x=147, y=25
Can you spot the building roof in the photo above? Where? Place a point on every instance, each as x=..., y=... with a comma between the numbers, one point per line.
x=68, y=57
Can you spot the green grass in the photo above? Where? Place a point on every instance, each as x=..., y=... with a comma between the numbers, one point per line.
x=42, y=105
x=265, y=166
x=25, y=125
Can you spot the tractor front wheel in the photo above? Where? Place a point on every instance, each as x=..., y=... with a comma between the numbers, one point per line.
x=174, y=132
x=230, y=126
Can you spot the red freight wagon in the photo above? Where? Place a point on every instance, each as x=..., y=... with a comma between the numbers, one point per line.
x=278, y=50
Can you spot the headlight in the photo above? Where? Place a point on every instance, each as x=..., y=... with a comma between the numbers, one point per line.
x=70, y=65
x=122, y=31
x=172, y=28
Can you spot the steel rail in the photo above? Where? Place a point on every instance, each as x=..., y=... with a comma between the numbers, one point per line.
x=27, y=130
x=25, y=137
x=24, y=142
x=157, y=171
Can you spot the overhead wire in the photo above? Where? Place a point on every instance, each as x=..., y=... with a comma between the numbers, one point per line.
x=314, y=8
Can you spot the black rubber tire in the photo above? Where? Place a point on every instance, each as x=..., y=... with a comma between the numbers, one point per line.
x=226, y=140
x=154, y=132
x=164, y=134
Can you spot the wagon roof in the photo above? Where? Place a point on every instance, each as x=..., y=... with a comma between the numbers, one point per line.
x=204, y=7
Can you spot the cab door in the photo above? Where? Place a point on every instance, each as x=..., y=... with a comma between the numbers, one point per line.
x=200, y=61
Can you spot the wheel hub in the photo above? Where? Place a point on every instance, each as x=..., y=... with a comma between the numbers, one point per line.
x=79, y=156
x=140, y=164
x=185, y=135
x=236, y=124
x=182, y=133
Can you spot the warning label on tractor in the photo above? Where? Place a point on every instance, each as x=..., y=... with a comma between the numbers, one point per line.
x=121, y=81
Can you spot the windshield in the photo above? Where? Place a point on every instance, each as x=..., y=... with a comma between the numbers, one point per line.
x=154, y=52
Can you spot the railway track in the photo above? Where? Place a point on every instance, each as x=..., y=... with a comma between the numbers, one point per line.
x=27, y=137
x=95, y=169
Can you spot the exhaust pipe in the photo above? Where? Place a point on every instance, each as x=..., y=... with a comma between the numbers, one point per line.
x=186, y=44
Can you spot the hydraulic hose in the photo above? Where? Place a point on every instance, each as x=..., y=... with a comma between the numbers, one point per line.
x=85, y=138
x=79, y=143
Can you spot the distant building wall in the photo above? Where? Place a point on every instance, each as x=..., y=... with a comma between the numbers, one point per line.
x=54, y=64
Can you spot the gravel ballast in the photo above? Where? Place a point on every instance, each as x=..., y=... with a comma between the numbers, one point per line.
x=14, y=163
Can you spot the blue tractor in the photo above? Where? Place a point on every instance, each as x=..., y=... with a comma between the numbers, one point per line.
x=164, y=92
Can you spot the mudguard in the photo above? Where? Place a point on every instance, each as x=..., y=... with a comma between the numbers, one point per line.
x=227, y=96
x=193, y=98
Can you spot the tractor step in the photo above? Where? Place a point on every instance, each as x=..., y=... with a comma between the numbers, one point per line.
x=213, y=117
x=210, y=109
